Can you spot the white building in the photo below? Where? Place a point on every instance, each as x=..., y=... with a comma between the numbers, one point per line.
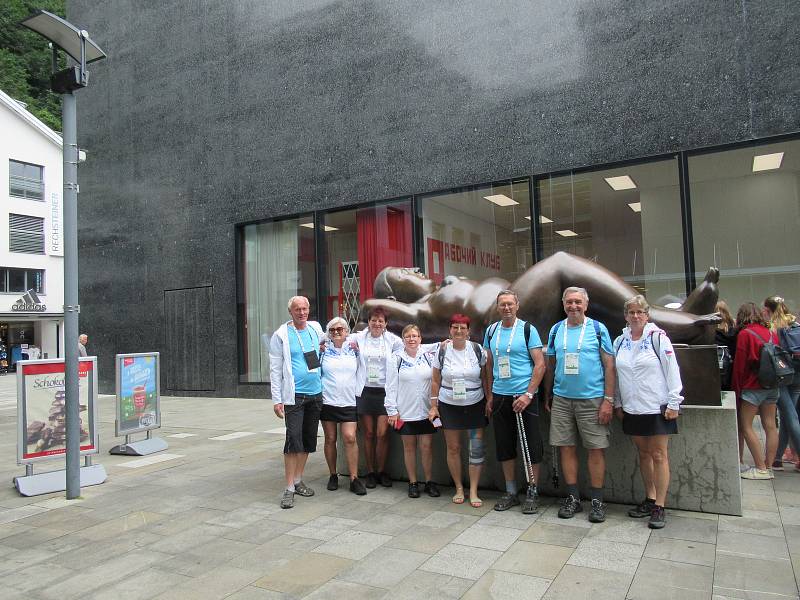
x=31, y=235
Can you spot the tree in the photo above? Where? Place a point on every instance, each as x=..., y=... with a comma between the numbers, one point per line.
x=26, y=59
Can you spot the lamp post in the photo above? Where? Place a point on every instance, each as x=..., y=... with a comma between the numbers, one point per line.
x=76, y=43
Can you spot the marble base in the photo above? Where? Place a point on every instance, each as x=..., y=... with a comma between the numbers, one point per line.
x=704, y=462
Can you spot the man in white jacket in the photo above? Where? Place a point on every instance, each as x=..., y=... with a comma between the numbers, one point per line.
x=296, y=385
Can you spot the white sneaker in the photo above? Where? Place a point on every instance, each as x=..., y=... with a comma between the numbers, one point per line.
x=743, y=467
x=754, y=473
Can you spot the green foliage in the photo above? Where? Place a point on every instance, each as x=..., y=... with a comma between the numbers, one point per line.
x=26, y=59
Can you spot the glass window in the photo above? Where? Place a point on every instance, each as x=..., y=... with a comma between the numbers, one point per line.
x=34, y=280
x=16, y=280
x=25, y=180
x=627, y=219
x=3, y=280
x=359, y=244
x=277, y=261
x=478, y=232
x=25, y=234
x=746, y=219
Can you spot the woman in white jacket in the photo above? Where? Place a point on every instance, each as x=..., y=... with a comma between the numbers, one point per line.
x=648, y=401
x=408, y=402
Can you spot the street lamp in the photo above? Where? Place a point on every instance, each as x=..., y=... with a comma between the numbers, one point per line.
x=77, y=44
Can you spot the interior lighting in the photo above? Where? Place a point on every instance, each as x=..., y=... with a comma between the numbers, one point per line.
x=623, y=182
x=566, y=232
x=324, y=227
x=501, y=200
x=544, y=220
x=635, y=206
x=767, y=162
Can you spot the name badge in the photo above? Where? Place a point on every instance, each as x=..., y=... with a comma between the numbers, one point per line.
x=373, y=371
x=571, y=363
x=459, y=389
x=504, y=367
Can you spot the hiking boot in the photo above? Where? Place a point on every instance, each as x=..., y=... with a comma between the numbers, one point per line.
x=287, y=500
x=569, y=506
x=333, y=482
x=756, y=473
x=372, y=480
x=432, y=489
x=530, y=505
x=413, y=490
x=506, y=501
x=357, y=487
x=598, y=512
x=385, y=480
x=657, y=518
x=642, y=510
x=303, y=490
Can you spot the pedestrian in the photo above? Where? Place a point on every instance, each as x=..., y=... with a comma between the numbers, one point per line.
x=83, y=339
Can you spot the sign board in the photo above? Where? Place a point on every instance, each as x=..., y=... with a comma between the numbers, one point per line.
x=41, y=409
x=138, y=392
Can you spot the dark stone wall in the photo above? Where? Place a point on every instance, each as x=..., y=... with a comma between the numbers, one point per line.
x=215, y=112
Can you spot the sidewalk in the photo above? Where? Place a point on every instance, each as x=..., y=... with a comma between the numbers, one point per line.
x=201, y=520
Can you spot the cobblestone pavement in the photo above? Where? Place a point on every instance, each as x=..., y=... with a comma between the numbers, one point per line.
x=204, y=522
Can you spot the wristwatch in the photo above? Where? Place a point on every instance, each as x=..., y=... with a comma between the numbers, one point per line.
x=529, y=395
x=609, y=398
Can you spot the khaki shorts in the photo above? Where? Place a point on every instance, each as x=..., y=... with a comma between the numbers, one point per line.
x=568, y=418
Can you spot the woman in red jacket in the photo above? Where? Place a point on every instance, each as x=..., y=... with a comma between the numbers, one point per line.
x=753, y=399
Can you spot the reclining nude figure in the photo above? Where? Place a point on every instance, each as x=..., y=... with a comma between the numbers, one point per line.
x=408, y=296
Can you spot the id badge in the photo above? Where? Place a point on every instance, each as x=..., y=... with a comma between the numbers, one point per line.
x=312, y=360
x=504, y=367
x=459, y=390
x=571, y=363
x=373, y=371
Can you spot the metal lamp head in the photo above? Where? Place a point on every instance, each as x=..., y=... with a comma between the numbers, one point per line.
x=64, y=35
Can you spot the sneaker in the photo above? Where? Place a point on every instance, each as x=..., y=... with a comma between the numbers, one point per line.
x=385, y=480
x=789, y=456
x=413, y=490
x=569, y=506
x=598, y=512
x=432, y=489
x=506, y=501
x=357, y=487
x=744, y=468
x=372, y=480
x=530, y=506
x=287, y=500
x=333, y=482
x=657, y=518
x=778, y=465
x=755, y=473
x=643, y=509
x=302, y=489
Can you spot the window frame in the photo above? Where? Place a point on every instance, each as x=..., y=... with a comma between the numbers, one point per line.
x=25, y=195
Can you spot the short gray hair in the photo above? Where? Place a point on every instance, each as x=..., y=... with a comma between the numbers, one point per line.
x=337, y=321
x=507, y=293
x=574, y=290
x=637, y=300
x=294, y=299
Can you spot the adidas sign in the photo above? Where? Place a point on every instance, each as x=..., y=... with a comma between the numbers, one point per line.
x=29, y=302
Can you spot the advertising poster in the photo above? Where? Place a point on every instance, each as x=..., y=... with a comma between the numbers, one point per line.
x=138, y=393
x=42, y=409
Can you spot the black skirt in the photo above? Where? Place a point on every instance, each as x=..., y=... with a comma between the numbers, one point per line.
x=647, y=425
x=463, y=417
x=423, y=427
x=370, y=402
x=338, y=414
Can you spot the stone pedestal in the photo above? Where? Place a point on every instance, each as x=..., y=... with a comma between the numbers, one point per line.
x=704, y=462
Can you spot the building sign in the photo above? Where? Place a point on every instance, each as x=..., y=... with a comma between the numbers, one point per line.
x=29, y=302
x=439, y=252
x=56, y=232
x=42, y=410
x=138, y=392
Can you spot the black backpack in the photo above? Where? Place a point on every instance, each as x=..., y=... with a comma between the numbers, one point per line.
x=493, y=328
x=790, y=341
x=775, y=365
x=476, y=348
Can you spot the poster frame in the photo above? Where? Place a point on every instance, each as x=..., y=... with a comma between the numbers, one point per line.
x=94, y=430
x=118, y=360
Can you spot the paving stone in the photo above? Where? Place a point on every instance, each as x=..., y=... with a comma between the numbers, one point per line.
x=384, y=567
x=685, y=551
x=353, y=544
x=790, y=515
x=206, y=557
x=141, y=586
x=694, y=530
x=499, y=585
x=665, y=579
x=584, y=582
x=464, y=562
x=512, y=518
x=553, y=534
x=255, y=593
x=20, y=559
x=15, y=514
x=752, y=521
x=335, y=590
x=215, y=584
x=749, y=544
x=37, y=576
x=488, y=536
x=606, y=555
x=735, y=575
x=114, y=527
x=422, y=584
x=35, y=537
x=387, y=523
x=550, y=515
x=259, y=532
x=188, y=539
x=305, y=510
x=303, y=574
x=242, y=517
x=533, y=559
x=323, y=528
x=630, y=531
x=427, y=540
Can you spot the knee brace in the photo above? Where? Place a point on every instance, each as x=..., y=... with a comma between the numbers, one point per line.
x=476, y=451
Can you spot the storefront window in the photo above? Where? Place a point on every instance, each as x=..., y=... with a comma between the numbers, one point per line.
x=626, y=219
x=745, y=221
x=277, y=261
x=359, y=244
x=478, y=232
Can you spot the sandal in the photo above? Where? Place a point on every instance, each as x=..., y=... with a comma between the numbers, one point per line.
x=458, y=498
x=475, y=502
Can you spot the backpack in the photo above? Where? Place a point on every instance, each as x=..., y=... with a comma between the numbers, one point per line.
x=790, y=341
x=655, y=344
x=551, y=342
x=774, y=364
x=476, y=347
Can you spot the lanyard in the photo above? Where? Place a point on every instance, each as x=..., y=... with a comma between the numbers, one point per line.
x=453, y=360
x=510, y=339
x=580, y=339
x=381, y=344
x=300, y=339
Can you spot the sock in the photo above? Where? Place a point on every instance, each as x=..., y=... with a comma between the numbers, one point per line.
x=511, y=486
x=297, y=480
x=572, y=490
x=290, y=488
x=650, y=500
x=596, y=494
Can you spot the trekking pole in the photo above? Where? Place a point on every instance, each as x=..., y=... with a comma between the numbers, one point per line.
x=555, y=467
x=526, y=453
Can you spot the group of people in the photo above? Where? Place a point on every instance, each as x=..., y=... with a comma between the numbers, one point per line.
x=377, y=381
x=744, y=339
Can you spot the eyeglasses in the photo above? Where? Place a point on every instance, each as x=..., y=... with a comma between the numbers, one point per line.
x=459, y=327
x=637, y=313
x=336, y=330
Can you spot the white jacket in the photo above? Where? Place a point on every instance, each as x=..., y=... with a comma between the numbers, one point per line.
x=391, y=343
x=281, y=380
x=646, y=380
x=408, y=384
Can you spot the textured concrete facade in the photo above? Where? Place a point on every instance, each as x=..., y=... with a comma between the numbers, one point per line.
x=209, y=114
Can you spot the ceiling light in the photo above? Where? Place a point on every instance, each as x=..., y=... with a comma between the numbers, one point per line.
x=767, y=162
x=308, y=225
x=544, y=220
x=501, y=200
x=623, y=182
x=324, y=227
x=566, y=232
x=635, y=206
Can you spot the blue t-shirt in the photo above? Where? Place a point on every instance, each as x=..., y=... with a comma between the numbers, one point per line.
x=305, y=382
x=589, y=382
x=519, y=357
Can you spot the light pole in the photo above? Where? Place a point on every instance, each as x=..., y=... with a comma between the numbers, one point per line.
x=76, y=43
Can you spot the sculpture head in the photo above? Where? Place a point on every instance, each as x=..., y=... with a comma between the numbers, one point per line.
x=404, y=284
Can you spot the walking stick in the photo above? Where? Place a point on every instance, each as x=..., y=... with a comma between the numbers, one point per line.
x=526, y=453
